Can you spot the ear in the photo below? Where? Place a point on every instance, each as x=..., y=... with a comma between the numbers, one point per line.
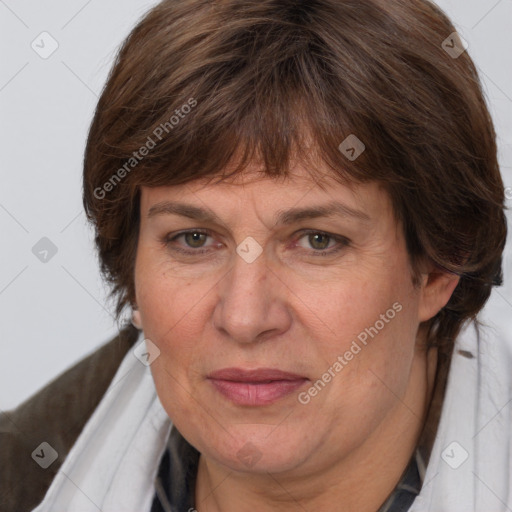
x=136, y=319
x=436, y=289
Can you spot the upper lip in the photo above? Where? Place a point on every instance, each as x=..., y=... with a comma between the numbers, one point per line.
x=257, y=375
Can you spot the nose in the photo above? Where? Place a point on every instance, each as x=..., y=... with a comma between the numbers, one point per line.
x=252, y=304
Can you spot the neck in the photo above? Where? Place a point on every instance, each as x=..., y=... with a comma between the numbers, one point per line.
x=360, y=482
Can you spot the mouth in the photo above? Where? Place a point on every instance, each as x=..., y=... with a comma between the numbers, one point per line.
x=258, y=387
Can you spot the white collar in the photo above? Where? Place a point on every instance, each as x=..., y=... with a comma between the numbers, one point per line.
x=470, y=467
x=113, y=464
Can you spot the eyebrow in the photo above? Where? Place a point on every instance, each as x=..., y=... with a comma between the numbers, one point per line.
x=326, y=210
x=289, y=216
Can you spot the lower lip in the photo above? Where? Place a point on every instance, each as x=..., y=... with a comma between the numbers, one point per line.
x=244, y=393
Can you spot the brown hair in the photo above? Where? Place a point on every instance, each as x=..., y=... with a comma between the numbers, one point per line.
x=202, y=85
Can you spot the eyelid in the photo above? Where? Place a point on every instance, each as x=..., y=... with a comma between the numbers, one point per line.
x=342, y=241
x=171, y=237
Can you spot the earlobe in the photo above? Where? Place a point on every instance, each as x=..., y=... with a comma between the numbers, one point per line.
x=437, y=288
x=136, y=319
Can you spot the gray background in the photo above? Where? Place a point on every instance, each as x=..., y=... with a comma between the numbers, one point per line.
x=55, y=312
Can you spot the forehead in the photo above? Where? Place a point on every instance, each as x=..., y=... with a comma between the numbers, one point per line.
x=254, y=190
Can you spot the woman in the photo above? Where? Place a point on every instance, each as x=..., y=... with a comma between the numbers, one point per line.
x=301, y=203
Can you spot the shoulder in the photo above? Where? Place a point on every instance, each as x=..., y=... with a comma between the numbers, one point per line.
x=56, y=414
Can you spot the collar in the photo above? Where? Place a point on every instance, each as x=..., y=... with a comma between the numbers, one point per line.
x=176, y=479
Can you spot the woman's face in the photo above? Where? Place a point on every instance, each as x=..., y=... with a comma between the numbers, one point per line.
x=285, y=316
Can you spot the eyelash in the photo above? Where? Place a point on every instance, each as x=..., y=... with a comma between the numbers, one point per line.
x=342, y=242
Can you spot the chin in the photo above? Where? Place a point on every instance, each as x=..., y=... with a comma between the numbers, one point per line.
x=259, y=450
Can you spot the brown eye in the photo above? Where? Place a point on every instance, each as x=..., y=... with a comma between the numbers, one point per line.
x=319, y=241
x=195, y=239
x=191, y=243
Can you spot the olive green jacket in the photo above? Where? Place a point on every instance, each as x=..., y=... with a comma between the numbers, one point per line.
x=56, y=415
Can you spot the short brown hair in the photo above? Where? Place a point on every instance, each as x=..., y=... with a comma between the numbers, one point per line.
x=271, y=80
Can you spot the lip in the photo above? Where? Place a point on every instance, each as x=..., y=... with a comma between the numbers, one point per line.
x=262, y=386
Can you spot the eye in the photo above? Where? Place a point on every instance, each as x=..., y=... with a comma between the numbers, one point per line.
x=323, y=244
x=193, y=242
x=318, y=241
x=194, y=239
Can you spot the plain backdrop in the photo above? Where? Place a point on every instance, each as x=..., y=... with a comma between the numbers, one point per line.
x=53, y=312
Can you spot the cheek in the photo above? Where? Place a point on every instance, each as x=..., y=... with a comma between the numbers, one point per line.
x=166, y=300
x=373, y=382
x=352, y=308
x=174, y=318
x=371, y=332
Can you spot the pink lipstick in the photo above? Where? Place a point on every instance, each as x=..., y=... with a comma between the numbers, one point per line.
x=255, y=387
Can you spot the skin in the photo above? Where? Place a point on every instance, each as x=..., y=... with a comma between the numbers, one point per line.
x=295, y=310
